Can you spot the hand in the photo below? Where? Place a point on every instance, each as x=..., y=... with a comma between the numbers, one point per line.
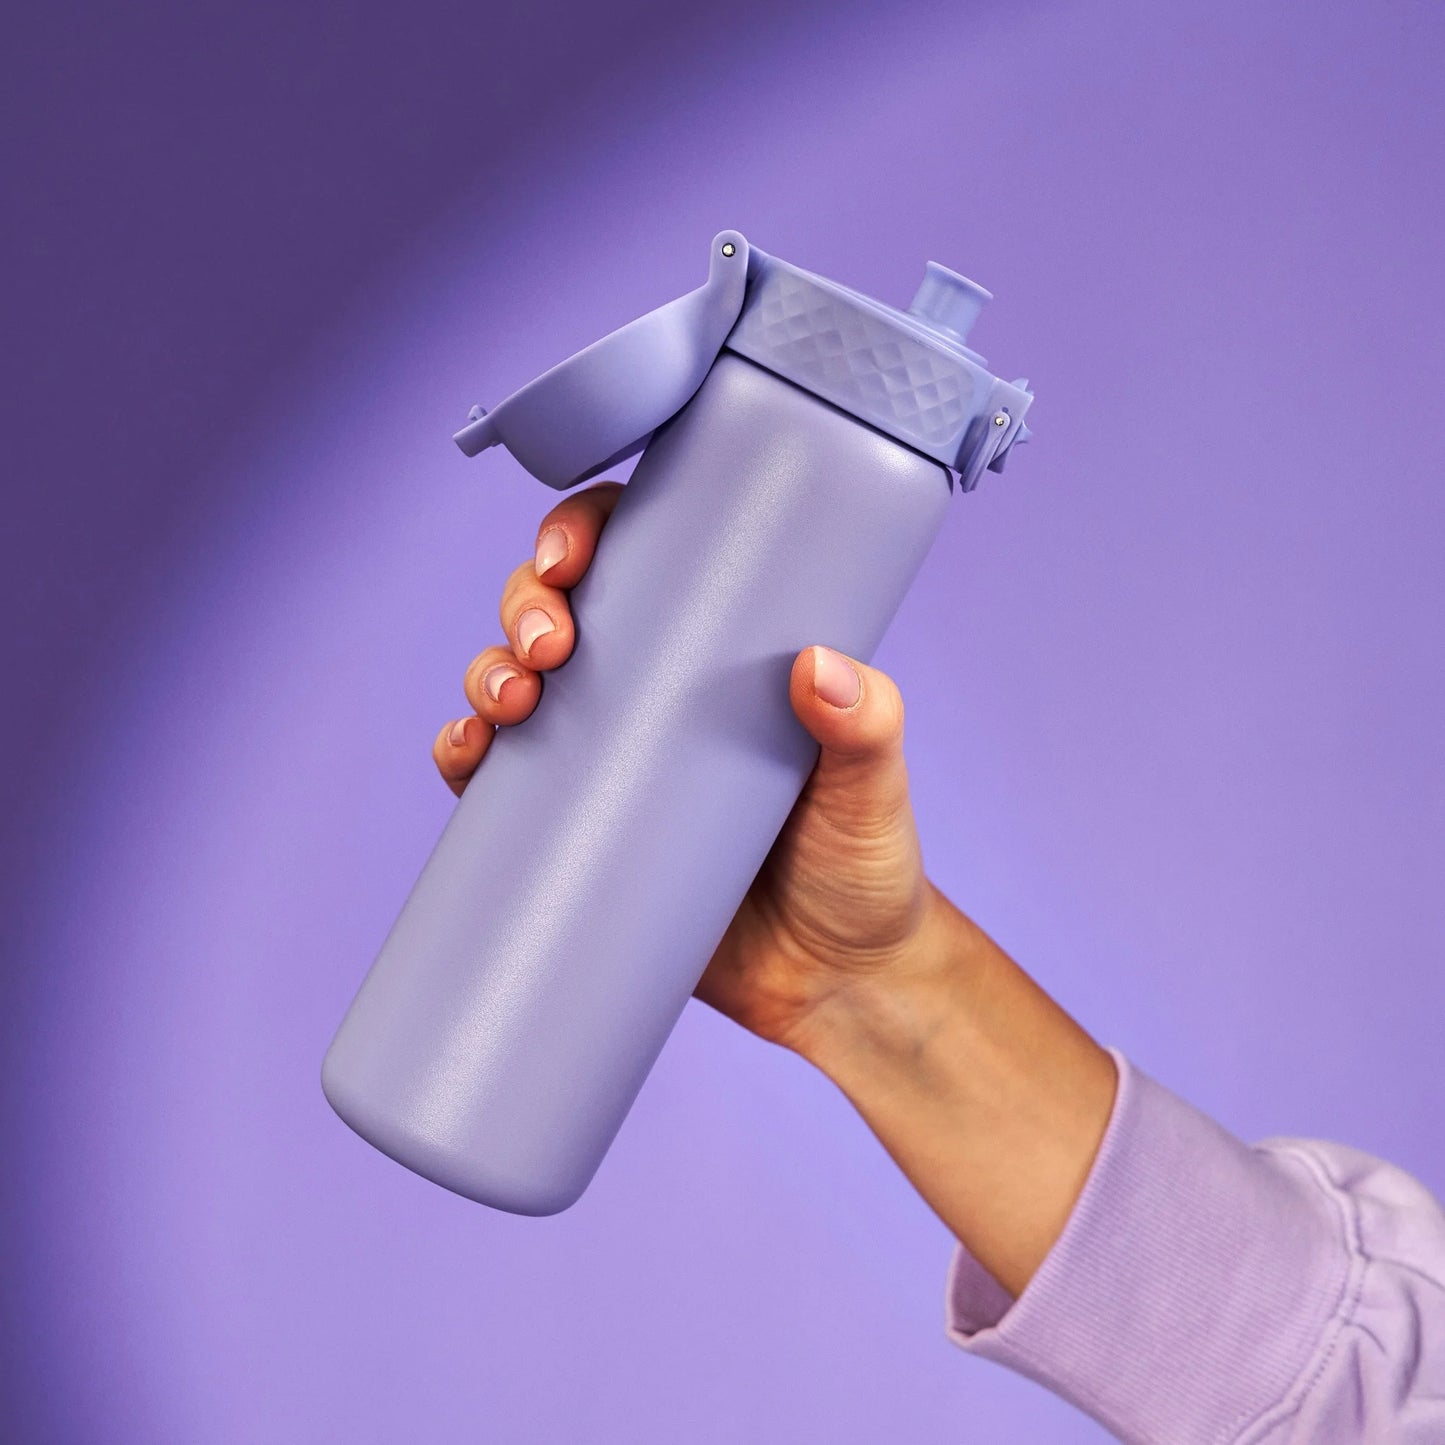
x=842, y=898
x=990, y=1098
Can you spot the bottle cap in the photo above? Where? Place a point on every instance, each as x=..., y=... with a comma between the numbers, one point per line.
x=908, y=373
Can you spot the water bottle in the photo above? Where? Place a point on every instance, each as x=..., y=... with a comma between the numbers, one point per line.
x=800, y=447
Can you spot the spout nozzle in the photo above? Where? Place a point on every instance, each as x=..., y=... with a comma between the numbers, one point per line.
x=948, y=302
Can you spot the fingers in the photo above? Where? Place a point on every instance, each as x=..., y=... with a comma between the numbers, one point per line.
x=567, y=535
x=459, y=747
x=852, y=709
x=502, y=691
x=502, y=683
x=536, y=619
x=534, y=612
x=499, y=687
x=855, y=712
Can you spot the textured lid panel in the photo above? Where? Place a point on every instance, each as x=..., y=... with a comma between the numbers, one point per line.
x=915, y=381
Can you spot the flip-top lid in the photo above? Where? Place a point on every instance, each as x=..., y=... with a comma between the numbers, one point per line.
x=907, y=373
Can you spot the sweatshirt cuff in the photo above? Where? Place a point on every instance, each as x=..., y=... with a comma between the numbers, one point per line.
x=1192, y=1286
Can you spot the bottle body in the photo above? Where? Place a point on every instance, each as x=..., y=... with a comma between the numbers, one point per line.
x=597, y=856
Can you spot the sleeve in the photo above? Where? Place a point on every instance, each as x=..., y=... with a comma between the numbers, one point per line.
x=1209, y=1292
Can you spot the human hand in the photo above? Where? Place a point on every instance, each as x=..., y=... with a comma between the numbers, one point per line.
x=990, y=1098
x=841, y=900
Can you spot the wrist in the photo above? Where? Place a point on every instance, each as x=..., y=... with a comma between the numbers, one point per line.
x=888, y=1020
x=991, y=1099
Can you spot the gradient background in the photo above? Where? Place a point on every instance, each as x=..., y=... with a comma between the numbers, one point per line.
x=1174, y=682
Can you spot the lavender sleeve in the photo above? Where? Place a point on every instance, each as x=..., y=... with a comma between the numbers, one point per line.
x=1209, y=1292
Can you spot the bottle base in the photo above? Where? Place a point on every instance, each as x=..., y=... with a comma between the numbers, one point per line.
x=462, y=1173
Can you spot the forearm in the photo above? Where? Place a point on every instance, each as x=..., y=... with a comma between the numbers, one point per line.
x=989, y=1097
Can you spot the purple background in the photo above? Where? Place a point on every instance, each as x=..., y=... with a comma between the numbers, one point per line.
x=1174, y=683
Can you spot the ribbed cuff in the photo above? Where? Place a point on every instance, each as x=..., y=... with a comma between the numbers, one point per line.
x=1189, y=1289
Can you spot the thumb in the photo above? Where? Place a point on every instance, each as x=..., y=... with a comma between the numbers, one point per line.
x=855, y=712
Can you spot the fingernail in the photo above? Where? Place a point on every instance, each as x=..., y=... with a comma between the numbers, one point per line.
x=494, y=677
x=531, y=625
x=458, y=734
x=834, y=678
x=551, y=549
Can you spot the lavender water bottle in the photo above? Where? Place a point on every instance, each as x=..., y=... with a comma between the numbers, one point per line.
x=802, y=445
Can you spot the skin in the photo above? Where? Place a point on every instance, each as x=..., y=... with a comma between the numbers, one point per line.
x=988, y=1096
